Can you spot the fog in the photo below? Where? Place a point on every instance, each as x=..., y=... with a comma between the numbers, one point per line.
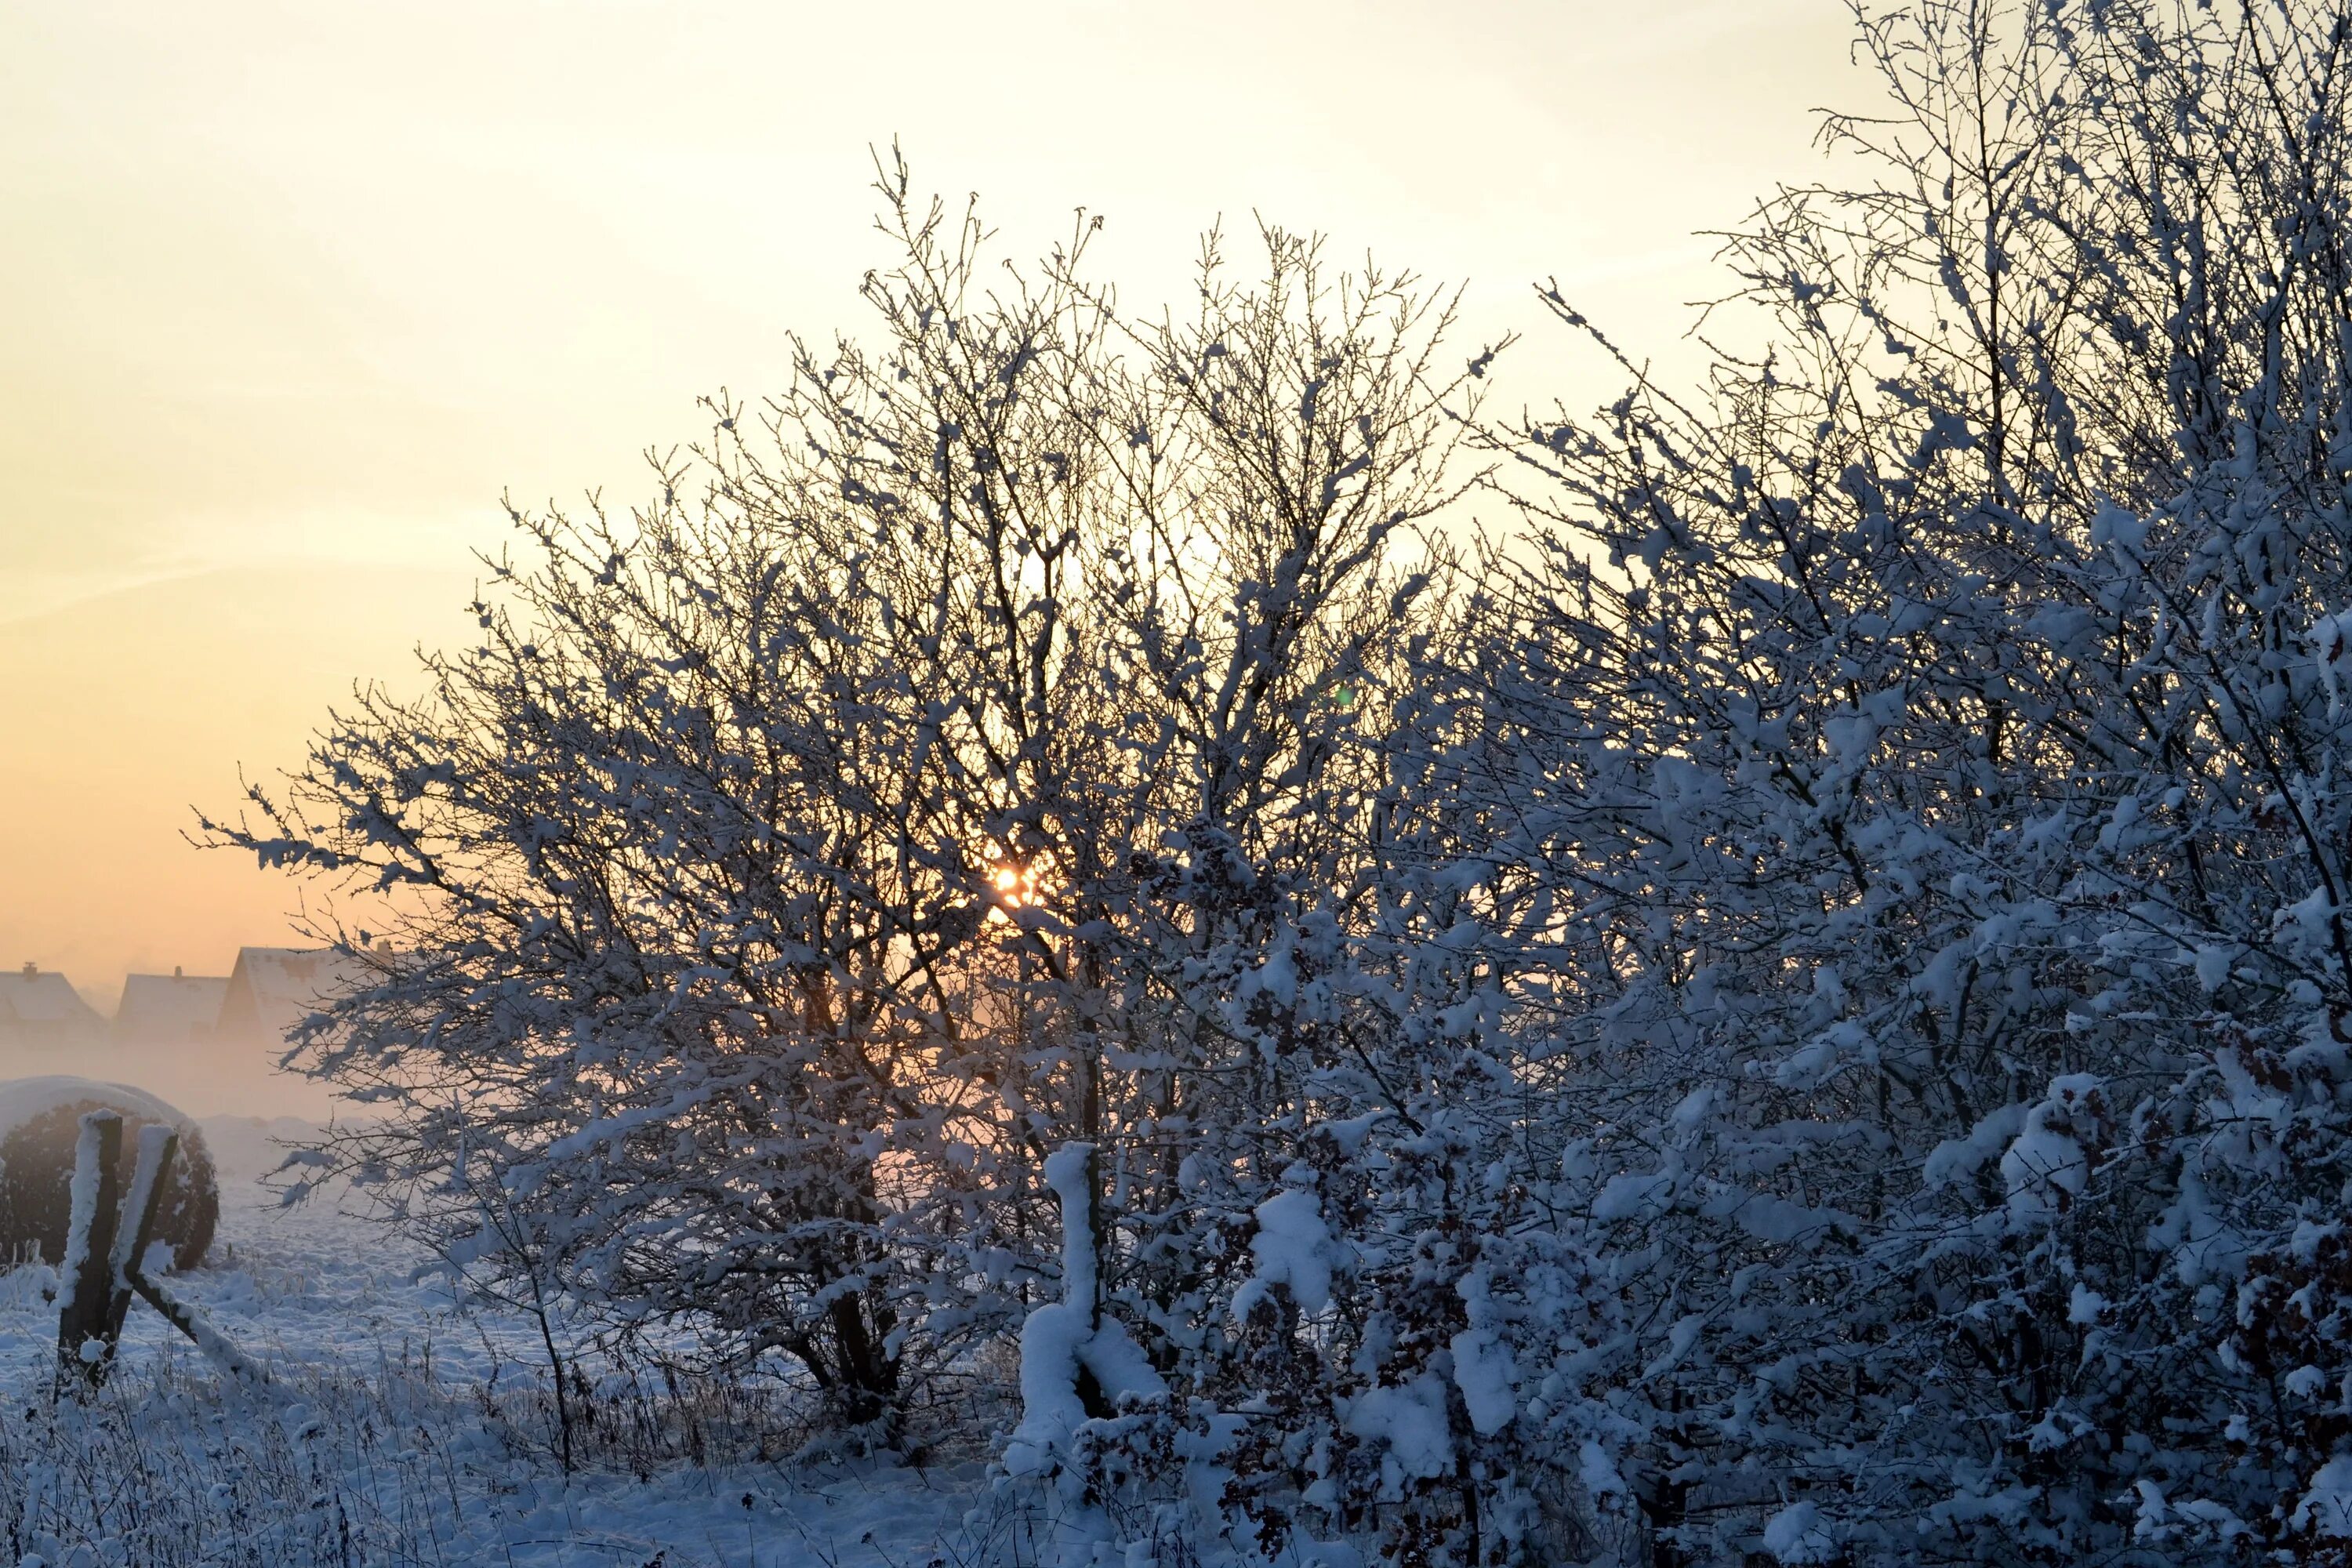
x=204, y=1078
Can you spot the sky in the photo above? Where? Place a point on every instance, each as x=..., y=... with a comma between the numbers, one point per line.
x=296, y=292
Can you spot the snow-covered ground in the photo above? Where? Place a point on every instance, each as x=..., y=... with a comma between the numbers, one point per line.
x=403, y=1428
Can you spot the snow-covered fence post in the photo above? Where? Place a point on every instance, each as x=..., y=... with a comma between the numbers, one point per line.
x=1077, y=1361
x=107, y=1239
x=157, y=1144
x=1070, y=1172
x=218, y=1349
x=85, y=1282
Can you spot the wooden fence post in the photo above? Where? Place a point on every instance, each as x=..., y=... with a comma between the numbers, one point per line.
x=105, y=1260
x=86, y=1283
x=157, y=1144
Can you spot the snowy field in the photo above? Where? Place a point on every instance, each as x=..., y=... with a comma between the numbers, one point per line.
x=403, y=1428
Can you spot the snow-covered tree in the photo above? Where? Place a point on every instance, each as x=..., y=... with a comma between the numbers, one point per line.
x=691, y=859
x=1919, y=767
x=957, y=761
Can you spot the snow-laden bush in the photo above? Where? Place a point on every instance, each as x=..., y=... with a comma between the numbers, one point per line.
x=1922, y=783
x=1892, y=1102
x=979, y=761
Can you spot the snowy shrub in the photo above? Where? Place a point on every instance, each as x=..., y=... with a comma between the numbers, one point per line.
x=1918, y=769
x=976, y=763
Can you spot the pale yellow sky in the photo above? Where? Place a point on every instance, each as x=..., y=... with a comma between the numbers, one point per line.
x=293, y=291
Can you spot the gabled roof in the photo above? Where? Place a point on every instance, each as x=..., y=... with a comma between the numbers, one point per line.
x=42, y=1002
x=169, y=1006
x=274, y=988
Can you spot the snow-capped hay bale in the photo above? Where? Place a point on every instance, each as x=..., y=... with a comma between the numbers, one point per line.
x=40, y=1121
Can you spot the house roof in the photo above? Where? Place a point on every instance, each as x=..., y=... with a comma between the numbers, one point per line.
x=43, y=997
x=170, y=1004
x=274, y=988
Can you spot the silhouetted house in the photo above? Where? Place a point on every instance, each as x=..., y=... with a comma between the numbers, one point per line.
x=40, y=1010
x=169, y=1009
x=272, y=989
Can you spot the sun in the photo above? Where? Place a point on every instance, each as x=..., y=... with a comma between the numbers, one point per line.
x=1015, y=885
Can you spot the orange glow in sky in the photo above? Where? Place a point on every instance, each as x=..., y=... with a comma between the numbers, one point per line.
x=296, y=291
